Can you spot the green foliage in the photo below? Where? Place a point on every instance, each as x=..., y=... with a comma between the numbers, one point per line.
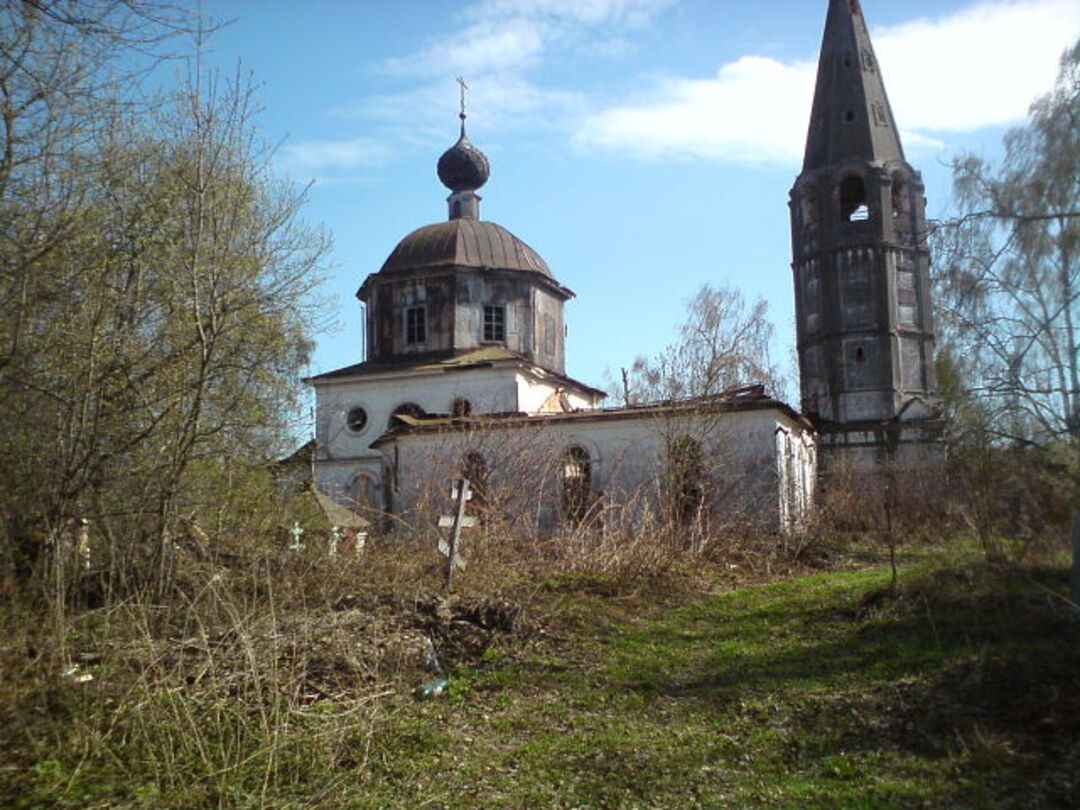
x=156, y=284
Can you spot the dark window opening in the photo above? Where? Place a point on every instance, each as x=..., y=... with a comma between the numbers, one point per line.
x=847, y=60
x=356, y=419
x=474, y=467
x=461, y=407
x=686, y=480
x=494, y=323
x=899, y=197
x=577, y=493
x=849, y=115
x=860, y=355
x=415, y=325
x=405, y=409
x=853, y=201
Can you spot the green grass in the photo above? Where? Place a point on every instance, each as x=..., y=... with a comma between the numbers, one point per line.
x=955, y=689
x=830, y=691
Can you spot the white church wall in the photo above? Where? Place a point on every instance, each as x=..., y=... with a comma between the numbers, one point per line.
x=749, y=475
x=344, y=452
x=356, y=483
x=487, y=390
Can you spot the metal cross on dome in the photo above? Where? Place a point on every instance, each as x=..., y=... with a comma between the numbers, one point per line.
x=464, y=87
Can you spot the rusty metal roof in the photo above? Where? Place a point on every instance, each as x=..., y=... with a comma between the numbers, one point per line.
x=750, y=398
x=466, y=243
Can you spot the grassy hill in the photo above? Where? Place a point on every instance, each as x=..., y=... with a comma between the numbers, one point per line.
x=955, y=687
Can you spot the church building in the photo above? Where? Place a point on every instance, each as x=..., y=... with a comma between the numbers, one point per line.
x=465, y=369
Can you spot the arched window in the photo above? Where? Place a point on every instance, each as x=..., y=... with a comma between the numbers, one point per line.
x=362, y=492
x=900, y=207
x=577, y=484
x=853, y=200
x=404, y=409
x=686, y=479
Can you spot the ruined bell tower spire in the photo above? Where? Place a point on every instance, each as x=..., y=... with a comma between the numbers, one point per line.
x=851, y=118
x=865, y=332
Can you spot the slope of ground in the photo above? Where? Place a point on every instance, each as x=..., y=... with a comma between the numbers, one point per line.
x=955, y=688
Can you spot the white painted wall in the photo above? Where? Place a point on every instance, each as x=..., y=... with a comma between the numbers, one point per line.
x=343, y=454
x=759, y=464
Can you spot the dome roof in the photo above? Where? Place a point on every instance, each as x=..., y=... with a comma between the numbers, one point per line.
x=463, y=167
x=466, y=243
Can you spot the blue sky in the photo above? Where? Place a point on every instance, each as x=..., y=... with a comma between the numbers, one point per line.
x=642, y=147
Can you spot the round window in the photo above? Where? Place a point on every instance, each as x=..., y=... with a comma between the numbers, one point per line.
x=356, y=419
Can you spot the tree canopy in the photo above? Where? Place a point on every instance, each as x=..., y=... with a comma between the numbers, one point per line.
x=156, y=282
x=1008, y=284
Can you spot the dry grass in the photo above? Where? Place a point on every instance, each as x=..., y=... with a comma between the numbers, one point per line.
x=256, y=676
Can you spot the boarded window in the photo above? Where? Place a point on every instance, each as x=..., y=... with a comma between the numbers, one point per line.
x=549, y=334
x=362, y=492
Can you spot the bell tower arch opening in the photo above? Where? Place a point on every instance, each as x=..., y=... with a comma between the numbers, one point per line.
x=854, y=204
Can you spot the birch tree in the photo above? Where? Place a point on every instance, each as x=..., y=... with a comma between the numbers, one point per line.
x=1008, y=292
x=1009, y=279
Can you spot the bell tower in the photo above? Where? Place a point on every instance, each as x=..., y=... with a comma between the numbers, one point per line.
x=865, y=332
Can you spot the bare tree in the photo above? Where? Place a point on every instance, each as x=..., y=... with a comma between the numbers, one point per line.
x=154, y=278
x=1009, y=277
x=1008, y=291
x=724, y=343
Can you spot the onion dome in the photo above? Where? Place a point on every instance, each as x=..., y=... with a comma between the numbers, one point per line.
x=463, y=167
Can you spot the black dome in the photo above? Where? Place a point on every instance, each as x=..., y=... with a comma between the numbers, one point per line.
x=463, y=167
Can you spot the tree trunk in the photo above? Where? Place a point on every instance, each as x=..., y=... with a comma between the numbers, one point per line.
x=1075, y=592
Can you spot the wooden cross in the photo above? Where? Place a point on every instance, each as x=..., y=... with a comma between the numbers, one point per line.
x=461, y=493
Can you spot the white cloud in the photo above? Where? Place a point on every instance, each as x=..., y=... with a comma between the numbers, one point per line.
x=979, y=67
x=487, y=45
x=623, y=13
x=356, y=153
x=513, y=35
x=497, y=102
x=745, y=114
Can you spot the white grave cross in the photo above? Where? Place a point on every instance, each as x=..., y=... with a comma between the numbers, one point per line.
x=297, y=532
x=450, y=546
